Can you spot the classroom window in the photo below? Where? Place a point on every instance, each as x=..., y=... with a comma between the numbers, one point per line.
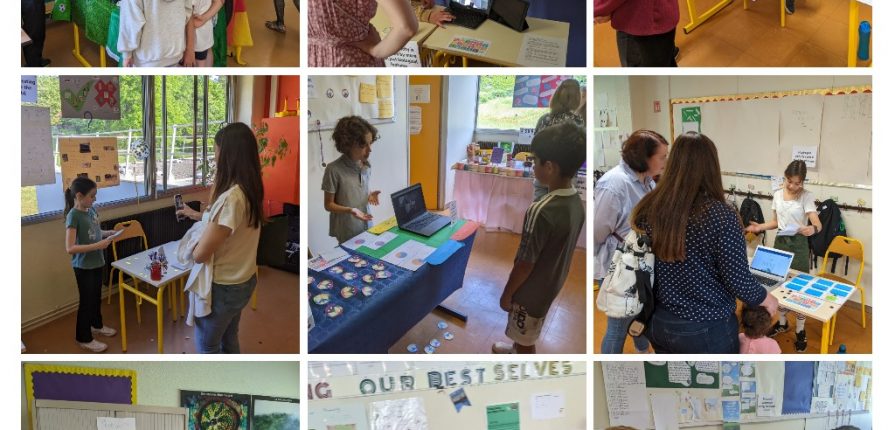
x=495, y=105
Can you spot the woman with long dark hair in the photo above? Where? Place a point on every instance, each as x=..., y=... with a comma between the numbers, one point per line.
x=230, y=240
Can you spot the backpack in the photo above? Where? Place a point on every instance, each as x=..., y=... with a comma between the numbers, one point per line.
x=627, y=289
x=833, y=225
x=750, y=211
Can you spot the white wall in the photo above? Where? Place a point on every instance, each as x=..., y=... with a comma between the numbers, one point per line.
x=618, y=96
x=159, y=382
x=646, y=89
x=390, y=161
x=459, y=118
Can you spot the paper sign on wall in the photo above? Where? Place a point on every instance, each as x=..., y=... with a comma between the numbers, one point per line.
x=767, y=405
x=415, y=119
x=503, y=417
x=384, y=87
x=367, y=93
x=408, y=56
x=29, y=89
x=548, y=406
x=409, y=413
x=386, y=108
x=90, y=97
x=38, y=165
x=109, y=423
x=808, y=154
x=692, y=118
x=420, y=93
x=90, y=156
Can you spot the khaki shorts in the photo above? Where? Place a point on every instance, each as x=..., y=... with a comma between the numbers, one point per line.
x=523, y=328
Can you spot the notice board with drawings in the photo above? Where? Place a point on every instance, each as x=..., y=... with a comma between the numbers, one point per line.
x=333, y=97
x=660, y=395
x=38, y=165
x=90, y=97
x=761, y=133
x=90, y=156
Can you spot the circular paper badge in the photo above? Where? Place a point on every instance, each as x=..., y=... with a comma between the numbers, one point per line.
x=336, y=269
x=412, y=348
x=354, y=259
x=442, y=325
x=368, y=278
x=322, y=299
x=333, y=311
x=360, y=264
x=349, y=276
x=382, y=274
x=448, y=335
x=429, y=349
x=367, y=291
x=348, y=292
x=379, y=266
x=325, y=284
x=435, y=343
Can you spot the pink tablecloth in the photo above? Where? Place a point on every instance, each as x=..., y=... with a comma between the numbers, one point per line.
x=496, y=202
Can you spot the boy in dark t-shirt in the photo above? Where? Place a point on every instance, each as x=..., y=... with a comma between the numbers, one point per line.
x=549, y=236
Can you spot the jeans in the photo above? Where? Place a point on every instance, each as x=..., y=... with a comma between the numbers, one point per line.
x=670, y=334
x=90, y=287
x=218, y=332
x=646, y=51
x=616, y=333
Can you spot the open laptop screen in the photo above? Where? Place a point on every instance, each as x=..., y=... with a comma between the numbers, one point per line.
x=771, y=261
x=482, y=5
x=408, y=203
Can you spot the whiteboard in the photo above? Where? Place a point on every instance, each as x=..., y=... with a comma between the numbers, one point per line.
x=333, y=97
x=756, y=135
x=38, y=165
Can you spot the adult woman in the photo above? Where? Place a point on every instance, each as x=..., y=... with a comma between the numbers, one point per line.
x=701, y=267
x=340, y=33
x=230, y=240
x=615, y=195
x=563, y=107
x=645, y=30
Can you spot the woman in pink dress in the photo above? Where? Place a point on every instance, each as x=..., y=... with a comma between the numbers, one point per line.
x=340, y=33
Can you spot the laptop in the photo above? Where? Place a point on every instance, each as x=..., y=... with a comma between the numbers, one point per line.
x=770, y=266
x=469, y=13
x=411, y=213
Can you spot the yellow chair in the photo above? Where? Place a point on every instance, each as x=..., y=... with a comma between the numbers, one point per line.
x=522, y=156
x=854, y=250
x=132, y=229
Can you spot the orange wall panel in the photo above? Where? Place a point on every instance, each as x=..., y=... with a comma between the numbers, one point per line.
x=425, y=147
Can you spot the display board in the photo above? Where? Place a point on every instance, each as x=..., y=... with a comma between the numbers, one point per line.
x=333, y=97
x=762, y=133
x=749, y=392
x=90, y=156
x=90, y=97
x=69, y=415
x=38, y=166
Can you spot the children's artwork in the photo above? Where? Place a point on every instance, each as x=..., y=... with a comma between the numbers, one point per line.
x=410, y=255
x=712, y=408
x=29, y=89
x=469, y=45
x=90, y=97
x=542, y=51
x=797, y=386
x=38, y=166
x=625, y=386
x=535, y=91
x=748, y=396
x=275, y=413
x=730, y=378
x=730, y=410
x=459, y=399
x=216, y=411
x=340, y=96
x=370, y=240
x=503, y=417
x=682, y=374
x=89, y=156
x=408, y=413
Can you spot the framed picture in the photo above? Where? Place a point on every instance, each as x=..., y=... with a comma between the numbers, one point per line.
x=216, y=411
x=275, y=413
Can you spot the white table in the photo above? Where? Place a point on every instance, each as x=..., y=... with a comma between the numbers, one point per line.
x=135, y=266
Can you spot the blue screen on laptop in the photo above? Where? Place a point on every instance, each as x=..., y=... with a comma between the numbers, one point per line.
x=771, y=262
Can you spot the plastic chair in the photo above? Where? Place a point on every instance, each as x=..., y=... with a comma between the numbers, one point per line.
x=522, y=156
x=854, y=250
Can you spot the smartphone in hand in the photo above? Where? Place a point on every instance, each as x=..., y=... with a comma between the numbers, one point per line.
x=178, y=205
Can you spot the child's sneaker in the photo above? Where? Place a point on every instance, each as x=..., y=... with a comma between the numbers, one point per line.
x=790, y=7
x=105, y=331
x=94, y=346
x=801, y=341
x=778, y=328
x=503, y=348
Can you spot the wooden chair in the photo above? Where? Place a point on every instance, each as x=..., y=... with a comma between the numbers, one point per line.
x=854, y=250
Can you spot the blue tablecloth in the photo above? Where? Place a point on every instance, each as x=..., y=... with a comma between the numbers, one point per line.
x=370, y=325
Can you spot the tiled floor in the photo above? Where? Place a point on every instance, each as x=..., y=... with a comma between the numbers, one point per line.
x=816, y=36
x=272, y=328
x=848, y=331
x=565, y=331
x=270, y=48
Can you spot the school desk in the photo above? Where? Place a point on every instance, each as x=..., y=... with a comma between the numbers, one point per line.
x=382, y=24
x=371, y=325
x=825, y=312
x=505, y=43
x=172, y=281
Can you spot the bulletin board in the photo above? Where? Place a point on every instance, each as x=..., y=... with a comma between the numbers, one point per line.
x=748, y=392
x=38, y=166
x=90, y=97
x=333, y=97
x=90, y=156
x=759, y=133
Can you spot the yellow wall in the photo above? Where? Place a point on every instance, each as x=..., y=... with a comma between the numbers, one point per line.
x=425, y=148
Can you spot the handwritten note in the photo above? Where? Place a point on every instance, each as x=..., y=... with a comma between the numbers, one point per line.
x=415, y=118
x=548, y=406
x=542, y=51
x=386, y=108
x=384, y=87
x=470, y=45
x=625, y=386
x=108, y=423
x=408, y=56
x=367, y=93
x=679, y=372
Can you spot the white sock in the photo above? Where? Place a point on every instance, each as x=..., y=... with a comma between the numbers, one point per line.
x=800, y=323
x=782, y=319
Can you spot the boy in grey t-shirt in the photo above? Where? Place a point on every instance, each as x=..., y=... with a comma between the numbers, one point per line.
x=549, y=236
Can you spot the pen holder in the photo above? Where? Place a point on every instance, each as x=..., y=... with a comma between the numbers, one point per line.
x=155, y=271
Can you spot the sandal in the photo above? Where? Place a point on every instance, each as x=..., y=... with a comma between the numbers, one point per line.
x=275, y=26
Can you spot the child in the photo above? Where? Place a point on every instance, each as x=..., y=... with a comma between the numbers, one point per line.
x=425, y=12
x=549, y=236
x=279, y=25
x=756, y=322
x=153, y=32
x=795, y=214
x=200, y=34
x=346, y=181
x=645, y=30
x=85, y=241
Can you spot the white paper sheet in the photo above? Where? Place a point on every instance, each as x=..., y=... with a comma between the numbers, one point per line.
x=548, y=406
x=369, y=240
x=415, y=119
x=420, y=94
x=625, y=386
x=411, y=255
x=399, y=414
x=542, y=51
x=38, y=163
x=328, y=259
x=665, y=410
x=767, y=405
x=333, y=415
x=408, y=56
x=769, y=377
x=109, y=423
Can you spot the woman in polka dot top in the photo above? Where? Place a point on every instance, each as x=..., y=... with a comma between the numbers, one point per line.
x=701, y=265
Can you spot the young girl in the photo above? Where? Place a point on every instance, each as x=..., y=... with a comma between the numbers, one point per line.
x=153, y=32
x=200, y=38
x=793, y=211
x=85, y=241
x=346, y=181
x=756, y=322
